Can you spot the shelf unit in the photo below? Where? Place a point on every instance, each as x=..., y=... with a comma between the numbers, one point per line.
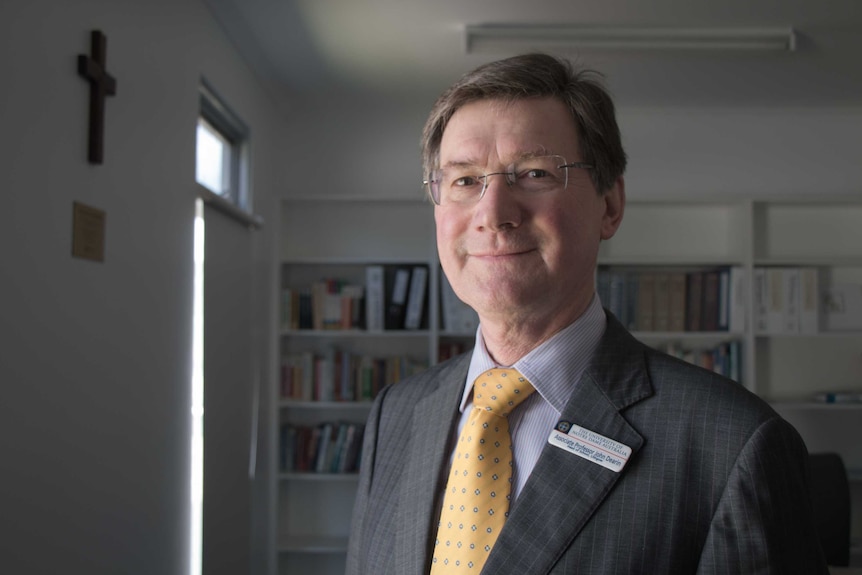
x=340, y=235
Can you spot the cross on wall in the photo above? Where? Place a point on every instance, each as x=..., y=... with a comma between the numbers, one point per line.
x=93, y=69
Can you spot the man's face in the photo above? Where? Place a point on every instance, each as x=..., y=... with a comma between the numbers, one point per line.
x=514, y=258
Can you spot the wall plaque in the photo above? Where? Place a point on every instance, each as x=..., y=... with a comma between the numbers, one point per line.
x=88, y=232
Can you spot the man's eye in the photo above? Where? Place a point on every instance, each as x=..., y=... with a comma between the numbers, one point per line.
x=534, y=174
x=465, y=181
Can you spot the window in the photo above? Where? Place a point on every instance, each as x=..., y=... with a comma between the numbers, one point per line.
x=221, y=156
x=213, y=159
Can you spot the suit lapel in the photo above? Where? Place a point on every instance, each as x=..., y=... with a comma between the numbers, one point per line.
x=564, y=490
x=428, y=448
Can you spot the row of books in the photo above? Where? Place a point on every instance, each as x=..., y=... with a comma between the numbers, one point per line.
x=393, y=297
x=796, y=300
x=675, y=300
x=333, y=447
x=786, y=300
x=724, y=358
x=327, y=304
x=336, y=375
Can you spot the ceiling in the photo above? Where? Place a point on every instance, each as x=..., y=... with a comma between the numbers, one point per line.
x=306, y=47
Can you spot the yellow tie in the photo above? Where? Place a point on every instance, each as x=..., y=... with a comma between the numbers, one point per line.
x=476, y=502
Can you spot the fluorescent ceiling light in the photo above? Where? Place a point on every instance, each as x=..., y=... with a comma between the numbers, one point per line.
x=507, y=38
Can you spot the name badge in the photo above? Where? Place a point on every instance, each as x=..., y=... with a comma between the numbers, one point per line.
x=590, y=445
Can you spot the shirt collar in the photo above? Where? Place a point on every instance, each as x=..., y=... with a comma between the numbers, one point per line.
x=556, y=365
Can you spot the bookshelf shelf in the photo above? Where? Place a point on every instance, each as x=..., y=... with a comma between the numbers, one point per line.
x=665, y=235
x=351, y=234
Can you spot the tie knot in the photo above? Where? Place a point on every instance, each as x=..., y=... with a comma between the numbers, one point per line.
x=500, y=391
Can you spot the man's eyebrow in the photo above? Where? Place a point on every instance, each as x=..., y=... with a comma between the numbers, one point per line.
x=461, y=164
x=540, y=151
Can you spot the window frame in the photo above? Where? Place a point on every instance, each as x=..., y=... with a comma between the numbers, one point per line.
x=236, y=200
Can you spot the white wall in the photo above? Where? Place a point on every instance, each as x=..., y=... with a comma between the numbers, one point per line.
x=732, y=150
x=742, y=151
x=95, y=357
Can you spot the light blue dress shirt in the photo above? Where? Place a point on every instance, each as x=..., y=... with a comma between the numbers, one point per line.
x=554, y=368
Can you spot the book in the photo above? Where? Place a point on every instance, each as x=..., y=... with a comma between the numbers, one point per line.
x=324, y=376
x=676, y=301
x=334, y=464
x=723, y=299
x=323, y=449
x=326, y=296
x=632, y=287
x=397, y=281
x=737, y=308
x=779, y=298
x=694, y=301
x=374, y=298
x=352, y=298
x=760, y=305
x=415, y=315
x=287, y=448
x=735, y=356
x=646, y=301
x=290, y=310
x=617, y=295
x=776, y=300
x=710, y=301
x=306, y=315
x=809, y=301
x=661, y=302
x=349, y=462
x=792, y=300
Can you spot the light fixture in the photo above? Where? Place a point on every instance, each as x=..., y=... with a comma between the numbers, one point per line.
x=509, y=38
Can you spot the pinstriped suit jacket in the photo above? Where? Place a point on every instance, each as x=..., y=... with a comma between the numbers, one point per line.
x=716, y=483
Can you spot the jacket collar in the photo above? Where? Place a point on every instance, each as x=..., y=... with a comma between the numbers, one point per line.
x=565, y=490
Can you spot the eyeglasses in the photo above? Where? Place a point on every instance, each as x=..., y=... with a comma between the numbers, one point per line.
x=529, y=177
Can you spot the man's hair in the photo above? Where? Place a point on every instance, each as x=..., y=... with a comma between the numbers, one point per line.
x=538, y=76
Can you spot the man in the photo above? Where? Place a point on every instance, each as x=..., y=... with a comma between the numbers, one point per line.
x=623, y=459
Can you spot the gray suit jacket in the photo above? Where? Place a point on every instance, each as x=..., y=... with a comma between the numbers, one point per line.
x=716, y=483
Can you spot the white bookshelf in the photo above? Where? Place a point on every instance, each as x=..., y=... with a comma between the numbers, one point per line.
x=340, y=235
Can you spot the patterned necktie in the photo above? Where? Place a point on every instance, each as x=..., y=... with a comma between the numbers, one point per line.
x=476, y=502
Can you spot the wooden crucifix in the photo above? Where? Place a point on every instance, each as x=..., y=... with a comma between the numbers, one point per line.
x=93, y=69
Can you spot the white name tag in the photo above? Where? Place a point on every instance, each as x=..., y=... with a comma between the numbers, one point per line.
x=590, y=445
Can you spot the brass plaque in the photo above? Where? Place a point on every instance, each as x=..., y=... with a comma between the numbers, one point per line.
x=88, y=232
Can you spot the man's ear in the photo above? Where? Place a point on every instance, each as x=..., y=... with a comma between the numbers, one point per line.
x=615, y=203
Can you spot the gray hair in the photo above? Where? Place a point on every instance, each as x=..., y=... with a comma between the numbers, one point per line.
x=538, y=76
